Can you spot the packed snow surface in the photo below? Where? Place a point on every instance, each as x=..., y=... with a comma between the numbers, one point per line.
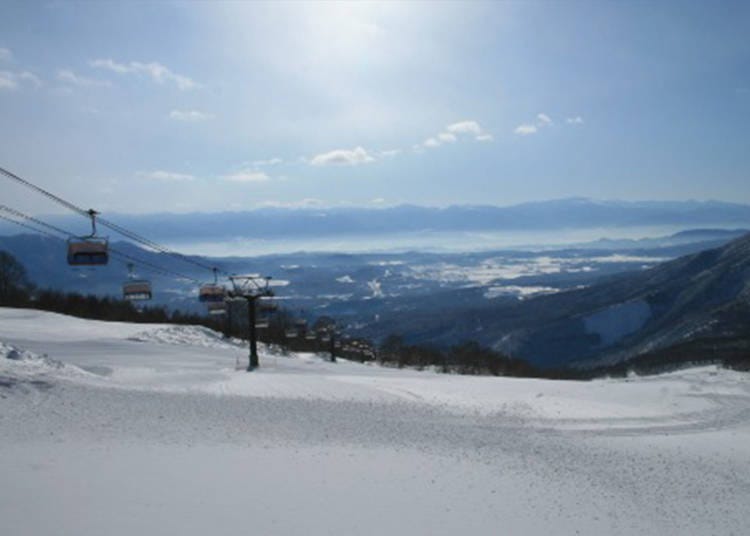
x=119, y=429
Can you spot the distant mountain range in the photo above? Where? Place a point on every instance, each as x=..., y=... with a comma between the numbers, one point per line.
x=698, y=297
x=573, y=213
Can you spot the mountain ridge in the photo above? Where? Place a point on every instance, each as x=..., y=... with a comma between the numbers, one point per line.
x=572, y=213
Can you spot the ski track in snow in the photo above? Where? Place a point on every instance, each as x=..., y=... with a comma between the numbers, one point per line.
x=114, y=428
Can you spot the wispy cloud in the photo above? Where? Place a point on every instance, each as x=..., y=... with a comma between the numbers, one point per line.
x=268, y=162
x=343, y=157
x=190, y=116
x=465, y=127
x=308, y=202
x=161, y=175
x=542, y=121
x=69, y=77
x=525, y=129
x=455, y=131
x=247, y=175
x=389, y=153
x=5, y=54
x=577, y=120
x=10, y=80
x=156, y=71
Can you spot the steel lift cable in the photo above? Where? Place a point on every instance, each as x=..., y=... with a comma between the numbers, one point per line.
x=111, y=225
x=153, y=267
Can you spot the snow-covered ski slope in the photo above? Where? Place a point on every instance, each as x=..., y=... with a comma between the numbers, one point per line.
x=119, y=429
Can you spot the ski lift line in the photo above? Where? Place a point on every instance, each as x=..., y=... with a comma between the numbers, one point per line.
x=68, y=234
x=117, y=228
x=153, y=245
x=20, y=214
x=49, y=195
x=50, y=235
x=149, y=266
x=30, y=227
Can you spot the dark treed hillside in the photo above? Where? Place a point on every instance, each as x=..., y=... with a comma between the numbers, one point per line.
x=696, y=296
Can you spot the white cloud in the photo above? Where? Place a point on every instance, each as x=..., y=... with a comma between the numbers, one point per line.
x=577, y=120
x=543, y=119
x=30, y=77
x=158, y=72
x=525, y=129
x=5, y=54
x=269, y=162
x=247, y=175
x=465, y=127
x=13, y=80
x=190, y=116
x=388, y=153
x=7, y=80
x=68, y=76
x=455, y=131
x=303, y=203
x=343, y=157
x=161, y=175
x=447, y=137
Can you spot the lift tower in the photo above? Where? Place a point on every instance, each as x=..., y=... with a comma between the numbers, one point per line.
x=251, y=287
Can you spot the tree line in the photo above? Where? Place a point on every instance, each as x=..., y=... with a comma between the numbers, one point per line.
x=16, y=290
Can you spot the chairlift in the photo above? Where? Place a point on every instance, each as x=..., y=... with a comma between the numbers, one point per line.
x=136, y=289
x=88, y=250
x=310, y=336
x=266, y=306
x=262, y=324
x=216, y=308
x=291, y=334
x=212, y=292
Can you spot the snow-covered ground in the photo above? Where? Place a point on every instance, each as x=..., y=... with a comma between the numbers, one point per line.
x=119, y=429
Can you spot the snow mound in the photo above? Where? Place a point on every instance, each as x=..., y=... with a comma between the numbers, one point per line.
x=186, y=336
x=17, y=364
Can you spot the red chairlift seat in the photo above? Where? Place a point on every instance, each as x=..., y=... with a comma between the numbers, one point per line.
x=217, y=308
x=212, y=293
x=137, y=289
x=88, y=251
x=268, y=306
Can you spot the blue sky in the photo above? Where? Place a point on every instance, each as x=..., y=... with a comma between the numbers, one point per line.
x=151, y=107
